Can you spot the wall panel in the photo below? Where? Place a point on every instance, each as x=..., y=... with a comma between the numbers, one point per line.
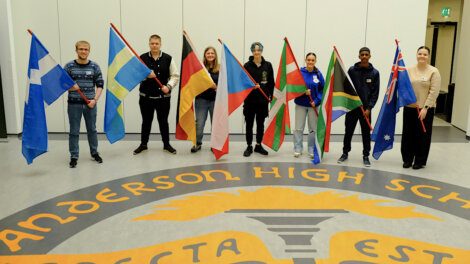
x=387, y=23
x=205, y=22
x=41, y=17
x=338, y=23
x=311, y=25
x=139, y=21
x=269, y=22
x=92, y=26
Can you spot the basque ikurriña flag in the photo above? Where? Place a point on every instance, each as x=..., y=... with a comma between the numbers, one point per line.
x=47, y=81
x=234, y=86
x=195, y=79
x=339, y=97
x=289, y=85
x=125, y=71
x=399, y=93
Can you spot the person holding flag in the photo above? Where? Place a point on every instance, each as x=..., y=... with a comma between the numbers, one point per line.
x=89, y=80
x=426, y=82
x=154, y=98
x=305, y=105
x=256, y=104
x=47, y=81
x=366, y=80
x=204, y=103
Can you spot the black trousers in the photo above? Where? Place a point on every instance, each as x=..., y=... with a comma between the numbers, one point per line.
x=415, y=144
x=251, y=113
x=350, y=123
x=147, y=109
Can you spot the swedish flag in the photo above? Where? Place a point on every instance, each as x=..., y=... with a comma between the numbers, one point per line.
x=125, y=71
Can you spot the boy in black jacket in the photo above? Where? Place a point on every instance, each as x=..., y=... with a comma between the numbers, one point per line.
x=256, y=104
x=366, y=80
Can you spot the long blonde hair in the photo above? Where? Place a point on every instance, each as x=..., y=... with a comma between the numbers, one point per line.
x=214, y=68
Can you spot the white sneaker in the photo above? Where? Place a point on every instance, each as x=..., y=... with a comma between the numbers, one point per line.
x=310, y=155
x=297, y=154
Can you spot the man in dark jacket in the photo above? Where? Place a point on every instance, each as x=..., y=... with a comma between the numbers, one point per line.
x=257, y=102
x=154, y=98
x=366, y=80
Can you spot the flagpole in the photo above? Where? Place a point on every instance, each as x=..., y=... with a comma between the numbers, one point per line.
x=261, y=90
x=365, y=116
x=312, y=103
x=82, y=95
x=337, y=52
x=135, y=53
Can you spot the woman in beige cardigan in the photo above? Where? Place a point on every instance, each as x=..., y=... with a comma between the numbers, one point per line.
x=426, y=82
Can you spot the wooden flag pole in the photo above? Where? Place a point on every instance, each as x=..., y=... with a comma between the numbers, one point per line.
x=82, y=95
x=365, y=117
x=261, y=90
x=312, y=103
x=135, y=53
x=422, y=123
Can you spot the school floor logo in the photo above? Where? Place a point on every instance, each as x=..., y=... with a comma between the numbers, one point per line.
x=254, y=213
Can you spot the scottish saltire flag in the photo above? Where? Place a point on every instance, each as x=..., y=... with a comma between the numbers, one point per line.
x=289, y=85
x=399, y=93
x=125, y=71
x=339, y=97
x=194, y=80
x=234, y=86
x=47, y=80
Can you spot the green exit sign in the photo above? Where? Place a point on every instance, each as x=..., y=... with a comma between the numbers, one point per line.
x=445, y=12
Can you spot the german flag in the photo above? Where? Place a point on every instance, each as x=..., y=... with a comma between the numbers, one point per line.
x=194, y=80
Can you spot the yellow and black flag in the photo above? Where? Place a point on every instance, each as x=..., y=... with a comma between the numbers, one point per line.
x=195, y=79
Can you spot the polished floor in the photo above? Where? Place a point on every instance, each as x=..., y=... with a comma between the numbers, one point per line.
x=189, y=208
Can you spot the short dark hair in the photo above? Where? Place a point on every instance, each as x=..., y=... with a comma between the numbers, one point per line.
x=254, y=44
x=155, y=36
x=364, y=49
x=311, y=53
x=424, y=47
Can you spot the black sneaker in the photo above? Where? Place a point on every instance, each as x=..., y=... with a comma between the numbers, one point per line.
x=140, y=148
x=259, y=149
x=417, y=166
x=406, y=165
x=97, y=158
x=169, y=148
x=248, y=151
x=73, y=163
x=366, y=161
x=343, y=158
x=195, y=148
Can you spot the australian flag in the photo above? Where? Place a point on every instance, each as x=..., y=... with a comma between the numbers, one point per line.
x=47, y=81
x=399, y=93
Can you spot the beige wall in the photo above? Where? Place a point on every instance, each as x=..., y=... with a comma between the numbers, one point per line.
x=8, y=66
x=460, y=110
x=435, y=6
x=310, y=25
x=446, y=36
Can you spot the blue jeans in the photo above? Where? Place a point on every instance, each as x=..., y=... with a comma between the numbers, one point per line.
x=301, y=113
x=202, y=107
x=75, y=112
